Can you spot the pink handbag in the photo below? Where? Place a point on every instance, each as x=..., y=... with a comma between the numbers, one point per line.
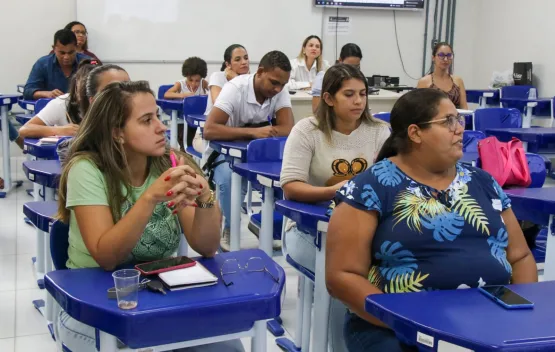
x=506, y=162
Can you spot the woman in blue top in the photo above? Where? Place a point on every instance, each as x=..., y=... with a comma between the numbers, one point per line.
x=418, y=220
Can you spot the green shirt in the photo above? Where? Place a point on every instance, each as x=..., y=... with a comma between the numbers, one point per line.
x=86, y=186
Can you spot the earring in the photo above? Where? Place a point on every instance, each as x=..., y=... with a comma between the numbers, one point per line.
x=120, y=140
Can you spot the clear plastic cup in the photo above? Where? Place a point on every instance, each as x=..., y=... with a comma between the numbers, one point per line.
x=126, y=282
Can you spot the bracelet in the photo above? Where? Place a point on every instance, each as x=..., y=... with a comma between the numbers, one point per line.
x=209, y=203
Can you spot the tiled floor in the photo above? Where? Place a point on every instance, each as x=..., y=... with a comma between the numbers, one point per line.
x=22, y=328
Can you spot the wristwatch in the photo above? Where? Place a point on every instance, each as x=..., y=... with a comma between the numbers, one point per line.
x=209, y=203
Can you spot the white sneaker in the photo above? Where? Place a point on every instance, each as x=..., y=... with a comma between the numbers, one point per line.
x=225, y=241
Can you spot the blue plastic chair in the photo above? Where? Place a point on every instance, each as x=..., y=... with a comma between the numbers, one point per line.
x=265, y=150
x=195, y=105
x=519, y=92
x=163, y=89
x=39, y=105
x=497, y=118
x=59, y=242
x=471, y=139
x=384, y=116
x=538, y=172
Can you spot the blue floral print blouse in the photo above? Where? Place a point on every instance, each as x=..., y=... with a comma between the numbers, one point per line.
x=433, y=240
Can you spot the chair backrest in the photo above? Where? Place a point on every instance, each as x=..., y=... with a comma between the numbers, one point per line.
x=471, y=139
x=266, y=149
x=59, y=242
x=40, y=104
x=163, y=89
x=497, y=118
x=384, y=116
x=195, y=105
x=520, y=92
x=536, y=164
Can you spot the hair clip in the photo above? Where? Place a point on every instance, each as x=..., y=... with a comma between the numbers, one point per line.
x=94, y=62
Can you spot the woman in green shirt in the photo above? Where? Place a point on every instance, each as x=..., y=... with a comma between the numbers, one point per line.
x=124, y=201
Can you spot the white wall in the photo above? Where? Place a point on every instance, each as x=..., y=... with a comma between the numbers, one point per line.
x=512, y=30
x=373, y=30
x=28, y=28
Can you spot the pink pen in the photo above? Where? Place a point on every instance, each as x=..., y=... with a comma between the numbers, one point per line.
x=172, y=158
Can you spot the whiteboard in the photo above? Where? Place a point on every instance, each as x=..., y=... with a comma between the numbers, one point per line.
x=172, y=30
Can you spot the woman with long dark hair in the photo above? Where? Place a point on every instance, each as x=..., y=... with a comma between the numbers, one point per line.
x=419, y=220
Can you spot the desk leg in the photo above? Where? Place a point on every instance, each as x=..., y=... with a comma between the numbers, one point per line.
x=267, y=226
x=235, y=221
x=527, y=118
x=482, y=102
x=173, y=129
x=49, y=194
x=185, y=128
x=307, y=315
x=108, y=343
x=258, y=342
x=48, y=265
x=300, y=312
x=39, y=259
x=6, y=151
x=549, y=267
x=321, y=300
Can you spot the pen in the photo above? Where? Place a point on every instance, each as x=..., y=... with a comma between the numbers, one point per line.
x=270, y=120
x=172, y=158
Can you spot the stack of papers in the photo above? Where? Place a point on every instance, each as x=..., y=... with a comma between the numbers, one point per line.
x=49, y=140
x=194, y=276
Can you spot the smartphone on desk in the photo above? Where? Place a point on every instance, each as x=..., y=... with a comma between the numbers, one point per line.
x=160, y=266
x=506, y=297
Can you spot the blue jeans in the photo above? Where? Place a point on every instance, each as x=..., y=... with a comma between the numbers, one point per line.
x=79, y=337
x=222, y=178
x=301, y=248
x=12, y=132
x=361, y=336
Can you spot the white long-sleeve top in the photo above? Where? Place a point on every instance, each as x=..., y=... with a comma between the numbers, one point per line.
x=301, y=77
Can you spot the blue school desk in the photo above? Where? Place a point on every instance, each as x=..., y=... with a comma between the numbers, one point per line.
x=41, y=215
x=529, y=107
x=179, y=318
x=27, y=105
x=532, y=137
x=466, y=320
x=45, y=173
x=267, y=174
x=6, y=103
x=484, y=97
x=195, y=120
x=538, y=206
x=33, y=147
x=313, y=217
x=234, y=152
x=176, y=107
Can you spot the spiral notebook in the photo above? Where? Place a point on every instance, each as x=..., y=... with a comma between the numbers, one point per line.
x=191, y=277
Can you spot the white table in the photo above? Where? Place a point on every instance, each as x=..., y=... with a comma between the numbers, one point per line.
x=301, y=103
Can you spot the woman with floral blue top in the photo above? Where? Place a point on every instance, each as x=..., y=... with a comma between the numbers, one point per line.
x=418, y=220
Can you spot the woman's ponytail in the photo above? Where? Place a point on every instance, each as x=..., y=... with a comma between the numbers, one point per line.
x=389, y=149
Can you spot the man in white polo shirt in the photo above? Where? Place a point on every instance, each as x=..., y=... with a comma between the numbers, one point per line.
x=249, y=107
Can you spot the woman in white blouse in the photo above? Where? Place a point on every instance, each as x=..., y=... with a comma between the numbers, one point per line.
x=307, y=65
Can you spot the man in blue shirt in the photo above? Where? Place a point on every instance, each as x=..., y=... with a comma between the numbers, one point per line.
x=50, y=75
